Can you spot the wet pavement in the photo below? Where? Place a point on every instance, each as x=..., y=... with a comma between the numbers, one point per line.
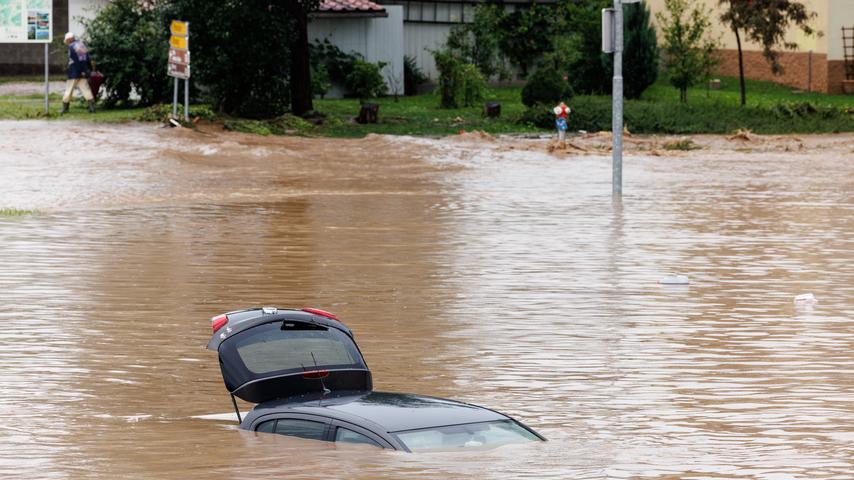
x=487, y=271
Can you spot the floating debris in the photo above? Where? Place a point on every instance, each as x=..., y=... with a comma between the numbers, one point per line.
x=674, y=279
x=805, y=299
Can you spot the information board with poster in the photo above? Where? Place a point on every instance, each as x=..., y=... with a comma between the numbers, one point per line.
x=26, y=21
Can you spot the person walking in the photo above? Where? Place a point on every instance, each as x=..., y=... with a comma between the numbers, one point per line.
x=79, y=68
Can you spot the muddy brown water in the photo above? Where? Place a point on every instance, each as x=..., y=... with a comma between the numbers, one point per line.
x=487, y=273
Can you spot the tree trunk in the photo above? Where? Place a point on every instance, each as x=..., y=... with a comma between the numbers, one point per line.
x=740, y=67
x=301, y=96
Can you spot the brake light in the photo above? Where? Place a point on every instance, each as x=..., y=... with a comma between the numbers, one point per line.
x=218, y=322
x=322, y=313
x=316, y=374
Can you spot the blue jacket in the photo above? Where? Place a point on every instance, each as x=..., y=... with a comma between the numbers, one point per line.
x=79, y=63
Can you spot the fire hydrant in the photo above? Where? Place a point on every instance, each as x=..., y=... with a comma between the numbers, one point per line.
x=562, y=111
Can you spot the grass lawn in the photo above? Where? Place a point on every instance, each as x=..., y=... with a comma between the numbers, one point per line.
x=771, y=109
x=761, y=94
x=32, y=107
x=421, y=115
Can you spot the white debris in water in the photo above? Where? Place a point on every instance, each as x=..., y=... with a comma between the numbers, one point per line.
x=674, y=279
x=805, y=299
x=230, y=416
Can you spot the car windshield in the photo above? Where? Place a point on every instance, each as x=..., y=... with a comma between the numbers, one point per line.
x=294, y=346
x=470, y=435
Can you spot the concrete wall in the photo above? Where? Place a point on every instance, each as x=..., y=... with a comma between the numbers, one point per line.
x=377, y=39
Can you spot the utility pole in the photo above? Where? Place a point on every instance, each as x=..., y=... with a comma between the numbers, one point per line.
x=612, y=42
x=617, y=100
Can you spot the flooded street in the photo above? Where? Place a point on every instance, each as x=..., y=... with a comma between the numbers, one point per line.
x=488, y=271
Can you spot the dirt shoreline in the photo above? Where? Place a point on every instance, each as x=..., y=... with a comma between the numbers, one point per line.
x=743, y=142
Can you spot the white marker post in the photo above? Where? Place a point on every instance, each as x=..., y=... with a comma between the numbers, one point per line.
x=612, y=42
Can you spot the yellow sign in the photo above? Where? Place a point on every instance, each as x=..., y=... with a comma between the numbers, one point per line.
x=178, y=43
x=179, y=28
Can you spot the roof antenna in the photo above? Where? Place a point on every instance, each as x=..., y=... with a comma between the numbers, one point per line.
x=236, y=410
x=326, y=391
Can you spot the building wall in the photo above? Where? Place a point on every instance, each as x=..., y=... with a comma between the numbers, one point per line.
x=817, y=64
x=840, y=14
x=28, y=59
x=419, y=39
x=377, y=39
x=727, y=38
x=78, y=9
x=801, y=70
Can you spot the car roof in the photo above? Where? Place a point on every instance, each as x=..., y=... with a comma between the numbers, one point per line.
x=392, y=412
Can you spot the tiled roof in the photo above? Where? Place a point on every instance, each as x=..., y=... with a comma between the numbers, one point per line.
x=346, y=6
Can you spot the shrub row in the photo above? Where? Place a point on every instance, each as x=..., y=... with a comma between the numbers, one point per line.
x=593, y=113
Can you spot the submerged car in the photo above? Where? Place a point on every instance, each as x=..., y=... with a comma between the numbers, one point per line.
x=308, y=378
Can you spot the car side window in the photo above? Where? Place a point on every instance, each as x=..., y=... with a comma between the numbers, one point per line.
x=266, y=427
x=294, y=427
x=346, y=435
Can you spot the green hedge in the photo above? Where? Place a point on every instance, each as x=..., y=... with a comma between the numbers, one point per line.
x=593, y=113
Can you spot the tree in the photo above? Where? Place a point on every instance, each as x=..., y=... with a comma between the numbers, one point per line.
x=688, y=52
x=301, y=94
x=765, y=22
x=477, y=42
x=640, y=55
x=526, y=35
x=586, y=72
x=246, y=71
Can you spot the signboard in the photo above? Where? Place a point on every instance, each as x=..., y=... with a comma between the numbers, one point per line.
x=179, y=56
x=177, y=70
x=179, y=43
x=179, y=28
x=26, y=21
x=179, y=50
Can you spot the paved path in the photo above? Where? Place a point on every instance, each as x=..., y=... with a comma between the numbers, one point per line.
x=29, y=88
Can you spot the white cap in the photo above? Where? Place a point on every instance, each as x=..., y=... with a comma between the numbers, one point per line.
x=69, y=36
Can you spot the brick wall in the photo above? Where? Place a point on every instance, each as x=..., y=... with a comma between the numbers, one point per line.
x=28, y=59
x=796, y=68
x=835, y=76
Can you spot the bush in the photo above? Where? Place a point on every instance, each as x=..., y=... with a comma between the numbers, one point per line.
x=287, y=124
x=474, y=84
x=412, y=76
x=337, y=63
x=128, y=43
x=546, y=86
x=538, y=115
x=366, y=81
x=320, y=82
x=593, y=113
x=460, y=84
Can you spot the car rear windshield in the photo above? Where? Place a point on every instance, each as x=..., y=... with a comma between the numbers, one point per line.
x=294, y=346
x=470, y=435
